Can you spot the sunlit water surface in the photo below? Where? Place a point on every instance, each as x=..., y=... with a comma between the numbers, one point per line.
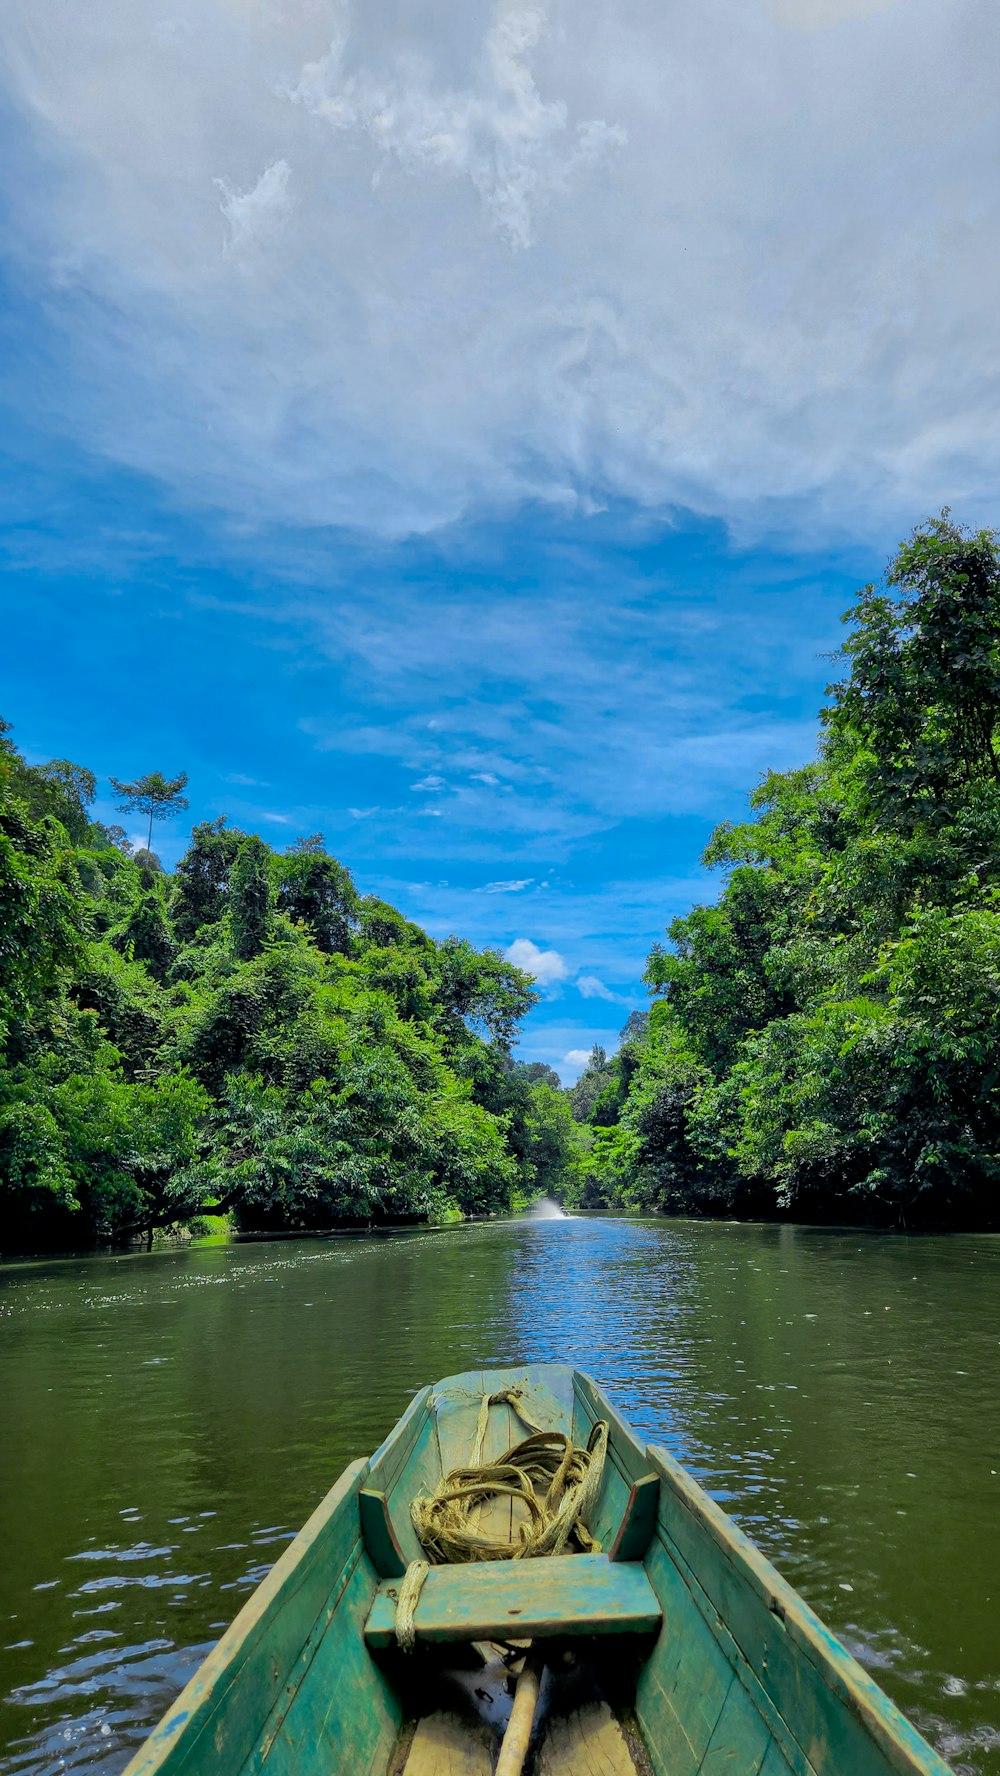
x=169, y=1421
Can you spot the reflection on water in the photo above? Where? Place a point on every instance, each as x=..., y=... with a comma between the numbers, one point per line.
x=169, y=1421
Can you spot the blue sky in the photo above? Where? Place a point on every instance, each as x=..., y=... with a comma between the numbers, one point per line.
x=460, y=434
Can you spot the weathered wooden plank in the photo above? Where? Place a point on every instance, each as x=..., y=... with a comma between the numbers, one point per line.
x=445, y=1745
x=625, y=1461
x=546, y=1386
x=629, y=1452
x=674, y=1610
x=543, y=1383
x=378, y=1535
x=774, y=1764
x=687, y=1661
x=456, y=1412
x=346, y=1715
x=635, y=1532
x=588, y=1742
x=740, y=1741
x=530, y=1599
x=420, y=1475
x=219, y=1716
x=669, y=1749
x=774, y=1721
x=290, y=1692
x=503, y=1430
x=393, y=1453
x=834, y=1710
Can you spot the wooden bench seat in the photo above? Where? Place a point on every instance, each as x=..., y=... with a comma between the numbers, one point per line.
x=567, y=1594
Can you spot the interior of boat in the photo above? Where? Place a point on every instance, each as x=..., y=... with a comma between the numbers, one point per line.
x=583, y=1628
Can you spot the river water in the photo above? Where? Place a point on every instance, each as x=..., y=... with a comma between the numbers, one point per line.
x=168, y=1421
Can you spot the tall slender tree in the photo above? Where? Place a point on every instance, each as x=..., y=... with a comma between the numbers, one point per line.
x=157, y=796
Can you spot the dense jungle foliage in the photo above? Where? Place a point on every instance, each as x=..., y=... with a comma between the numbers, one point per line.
x=252, y=1037
x=825, y=1040
x=249, y=1036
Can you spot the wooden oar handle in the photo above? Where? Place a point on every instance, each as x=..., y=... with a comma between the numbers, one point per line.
x=514, y=1749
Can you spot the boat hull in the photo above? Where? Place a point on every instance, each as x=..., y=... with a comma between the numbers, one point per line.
x=740, y=1679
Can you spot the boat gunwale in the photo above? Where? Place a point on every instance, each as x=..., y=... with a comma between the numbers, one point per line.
x=389, y=1462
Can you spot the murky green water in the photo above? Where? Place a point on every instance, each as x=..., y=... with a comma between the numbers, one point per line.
x=168, y=1422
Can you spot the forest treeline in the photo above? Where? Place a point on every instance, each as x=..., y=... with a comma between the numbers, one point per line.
x=824, y=1041
x=249, y=1036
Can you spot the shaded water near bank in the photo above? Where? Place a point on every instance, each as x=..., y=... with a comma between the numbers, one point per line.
x=169, y=1421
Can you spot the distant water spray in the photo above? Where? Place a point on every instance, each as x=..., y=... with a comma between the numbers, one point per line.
x=547, y=1209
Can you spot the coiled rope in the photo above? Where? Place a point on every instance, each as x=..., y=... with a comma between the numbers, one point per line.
x=554, y=1483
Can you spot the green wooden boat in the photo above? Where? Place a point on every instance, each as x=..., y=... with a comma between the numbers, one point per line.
x=675, y=1649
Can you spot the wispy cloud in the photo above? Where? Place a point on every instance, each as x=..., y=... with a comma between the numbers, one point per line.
x=255, y=216
x=515, y=887
x=656, y=708
x=514, y=148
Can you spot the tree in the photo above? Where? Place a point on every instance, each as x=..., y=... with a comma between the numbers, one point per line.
x=539, y=1071
x=825, y=1040
x=553, y=1136
x=597, y=1076
x=314, y=887
x=157, y=796
x=250, y=899
x=69, y=790
x=58, y=789
x=201, y=885
x=145, y=934
x=922, y=698
x=480, y=987
x=42, y=916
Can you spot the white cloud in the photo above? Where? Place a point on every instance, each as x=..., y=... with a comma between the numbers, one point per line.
x=515, y=887
x=515, y=148
x=429, y=784
x=592, y=988
x=254, y=216
x=546, y=966
x=753, y=285
x=486, y=777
